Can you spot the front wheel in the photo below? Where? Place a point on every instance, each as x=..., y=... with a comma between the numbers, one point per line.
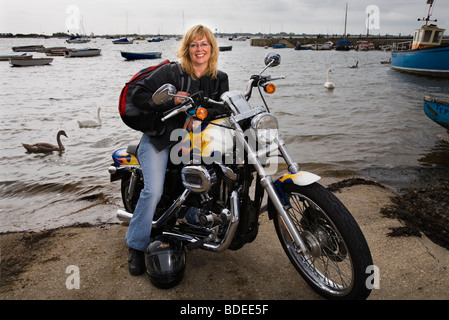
x=338, y=257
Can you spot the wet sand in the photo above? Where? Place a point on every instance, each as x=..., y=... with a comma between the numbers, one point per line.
x=38, y=265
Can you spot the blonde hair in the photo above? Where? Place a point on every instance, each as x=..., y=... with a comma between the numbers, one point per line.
x=193, y=33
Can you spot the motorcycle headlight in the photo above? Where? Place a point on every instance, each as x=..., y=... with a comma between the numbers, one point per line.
x=266, y=127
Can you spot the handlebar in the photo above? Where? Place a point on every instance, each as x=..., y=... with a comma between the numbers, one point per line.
x=189, y=102
x=183, y=107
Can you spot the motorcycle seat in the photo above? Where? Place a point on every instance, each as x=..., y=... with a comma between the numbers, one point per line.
x=132, y=149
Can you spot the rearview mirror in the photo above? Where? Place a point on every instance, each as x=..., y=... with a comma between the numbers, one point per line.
x=164, y=94
x=272, y=59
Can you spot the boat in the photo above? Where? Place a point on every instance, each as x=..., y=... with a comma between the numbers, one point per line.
x=365, y=46
x=140, y=55
x=77, y=39
x=30, y=62
x=328, y=45
x=6, y=57
x=343, y=45
x=77, y=53
x=426, y=55
x=225, y=48
x=235, y=38
x=123, y=41
x=31, y=48
x=158, y=39
x=55, y=51
x=279, y=46
x=437, y=110
x=299, y=46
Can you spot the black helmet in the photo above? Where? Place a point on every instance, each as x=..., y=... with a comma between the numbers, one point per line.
x=165, y=260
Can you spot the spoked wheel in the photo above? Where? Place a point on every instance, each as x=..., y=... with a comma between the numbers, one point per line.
x=338, y=256
x=130, y=199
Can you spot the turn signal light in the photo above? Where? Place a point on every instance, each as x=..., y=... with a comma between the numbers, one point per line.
x=201, y=113
x=270, y=88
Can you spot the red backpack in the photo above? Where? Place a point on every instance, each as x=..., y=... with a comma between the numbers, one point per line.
x=133, y=116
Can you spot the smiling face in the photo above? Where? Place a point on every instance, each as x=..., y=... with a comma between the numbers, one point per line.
x=199, y=52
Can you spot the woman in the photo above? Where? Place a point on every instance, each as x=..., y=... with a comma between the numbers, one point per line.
x=198, y=59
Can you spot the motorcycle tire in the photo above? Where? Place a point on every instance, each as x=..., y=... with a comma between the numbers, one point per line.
x=130, y=201
x=338, y=258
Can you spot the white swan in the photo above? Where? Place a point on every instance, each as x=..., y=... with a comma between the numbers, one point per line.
x=328, y=84
x=355, y=66
x=91, y=123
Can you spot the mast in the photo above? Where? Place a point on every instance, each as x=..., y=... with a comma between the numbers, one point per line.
x=367, y=27
x=346, y=19
x=429, y=14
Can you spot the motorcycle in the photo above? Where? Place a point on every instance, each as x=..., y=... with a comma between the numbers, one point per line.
x=215, y=205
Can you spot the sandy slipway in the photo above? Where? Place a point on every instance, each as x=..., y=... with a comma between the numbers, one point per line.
x=41, y=265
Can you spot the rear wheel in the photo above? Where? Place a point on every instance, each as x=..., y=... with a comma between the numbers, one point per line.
x=338, y=256
x=130, y=198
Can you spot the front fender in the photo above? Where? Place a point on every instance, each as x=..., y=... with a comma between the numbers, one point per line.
x=301, y=178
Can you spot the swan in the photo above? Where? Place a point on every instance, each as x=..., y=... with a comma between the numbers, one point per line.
x=355, y=66
x=328, y=84
x=43, y=147
x=91, y=123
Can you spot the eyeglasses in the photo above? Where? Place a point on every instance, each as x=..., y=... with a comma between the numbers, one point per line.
x=196, y=45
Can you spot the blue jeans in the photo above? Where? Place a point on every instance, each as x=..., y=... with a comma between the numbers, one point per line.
x=154, y=165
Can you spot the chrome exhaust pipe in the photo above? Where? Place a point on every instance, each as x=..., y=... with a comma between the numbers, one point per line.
x=232, y=228
x=124, y=215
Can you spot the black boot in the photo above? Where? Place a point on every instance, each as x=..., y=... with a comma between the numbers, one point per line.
x=136, y=262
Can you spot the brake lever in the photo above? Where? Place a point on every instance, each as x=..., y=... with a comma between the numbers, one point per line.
x=184, y=106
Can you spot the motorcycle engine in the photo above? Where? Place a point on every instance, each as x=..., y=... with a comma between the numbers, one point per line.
x=198, y=179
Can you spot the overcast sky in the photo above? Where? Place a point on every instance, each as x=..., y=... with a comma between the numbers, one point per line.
x=230, y=16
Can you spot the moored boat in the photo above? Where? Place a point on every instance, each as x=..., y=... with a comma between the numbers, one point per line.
x=426, y=55
x=279, y=46
x=343, y=45
x=140, y=55
x=158, y=39
x=365, y=46
x=77, y=39
x=30, y=62
x=79, y=53
x=54, y=51
x=328, y=45
x=6, y=57
x=123, y=41
x=437, y=110
x=225, y=48
x=31, y=48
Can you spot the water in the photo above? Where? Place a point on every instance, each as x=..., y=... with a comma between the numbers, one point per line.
x=371, y=125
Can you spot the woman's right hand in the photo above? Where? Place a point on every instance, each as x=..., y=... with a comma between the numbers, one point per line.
x=179, y=100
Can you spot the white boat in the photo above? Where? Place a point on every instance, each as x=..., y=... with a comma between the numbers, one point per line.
x=30, y=62
x=75, y=53
x=6, y=57
x=328, y=45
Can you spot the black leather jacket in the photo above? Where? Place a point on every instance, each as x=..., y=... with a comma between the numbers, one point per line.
x=170, y=73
